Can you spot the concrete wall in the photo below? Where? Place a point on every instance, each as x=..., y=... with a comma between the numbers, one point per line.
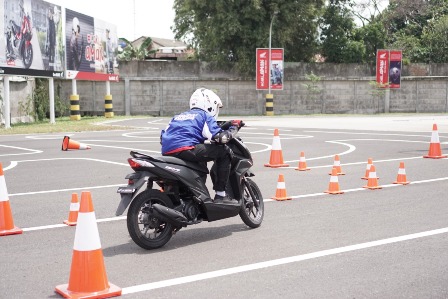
x=163, y=88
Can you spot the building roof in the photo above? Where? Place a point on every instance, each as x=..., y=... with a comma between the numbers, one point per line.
x=159, y=42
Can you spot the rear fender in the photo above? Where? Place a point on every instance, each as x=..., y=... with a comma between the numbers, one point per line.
x=130, y=191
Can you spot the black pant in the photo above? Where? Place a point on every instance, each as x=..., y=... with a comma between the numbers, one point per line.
x=203, y=153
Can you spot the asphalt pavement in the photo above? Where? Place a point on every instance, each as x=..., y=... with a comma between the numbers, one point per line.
x=384, y=243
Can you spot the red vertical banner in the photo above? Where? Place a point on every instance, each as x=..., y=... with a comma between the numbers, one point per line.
x=395, y=68
x=276, y=77
x=382, y=68
x=262, y=69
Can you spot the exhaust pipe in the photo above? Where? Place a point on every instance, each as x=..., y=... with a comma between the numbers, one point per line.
x=169, y=215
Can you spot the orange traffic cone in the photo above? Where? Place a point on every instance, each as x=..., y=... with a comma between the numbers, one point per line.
x=280, y=193
x=435, y=152
x=401, y=176
x=67, y=144
x=302, y=163
x=276, y=159
x=372, y=182
x=337, y=165
x=88, y=277
x=333, y=187
x=6, y=221
x=74, y=208
x=369, y=164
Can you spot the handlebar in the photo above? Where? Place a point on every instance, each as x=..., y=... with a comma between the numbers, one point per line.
x=225, y=125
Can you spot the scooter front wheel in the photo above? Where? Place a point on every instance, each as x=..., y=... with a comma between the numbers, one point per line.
x=252, y=208
x=146, y=230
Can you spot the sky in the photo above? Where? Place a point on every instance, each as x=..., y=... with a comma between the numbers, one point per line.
x=133, y=18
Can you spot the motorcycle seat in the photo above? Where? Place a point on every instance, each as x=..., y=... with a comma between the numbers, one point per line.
x=173, y=160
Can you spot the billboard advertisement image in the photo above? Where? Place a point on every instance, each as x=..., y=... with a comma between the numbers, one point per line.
x=277, y=69
x=91, y=48
x=395, y=68
x=32, y=39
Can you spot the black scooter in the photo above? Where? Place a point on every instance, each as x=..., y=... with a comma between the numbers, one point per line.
x=154, y=215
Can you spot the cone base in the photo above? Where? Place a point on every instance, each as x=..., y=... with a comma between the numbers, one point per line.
x=302, y=169
x=112, y=291
x=281, y=198
x=13, y=231
x=435, y=157
x=334, y=192
x=372, y=188
x=364, y=178
x=70, y=223
x=403, y=183
x=276, y=165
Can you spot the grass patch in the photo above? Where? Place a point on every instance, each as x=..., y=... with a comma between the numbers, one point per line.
x=64, y=124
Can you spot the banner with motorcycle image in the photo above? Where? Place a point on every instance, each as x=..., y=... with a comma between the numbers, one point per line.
x=41, y=39
x=92, y=47
x=32, y=41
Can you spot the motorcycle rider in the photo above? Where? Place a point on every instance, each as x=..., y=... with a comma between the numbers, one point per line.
x=186, y=135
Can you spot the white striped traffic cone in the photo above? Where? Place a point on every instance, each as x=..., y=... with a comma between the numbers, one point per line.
x=369, y=164
x=276, y=159
x=333, y=187
x=88, y=277
x=7, y=226
x=372, y=182
x=280, y=192
x=74, y=208
x=401, y=176
x=302, y=163
x=337, y=165
x=435, y=151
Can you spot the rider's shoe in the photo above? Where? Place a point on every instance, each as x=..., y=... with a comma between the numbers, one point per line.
x=224, y=199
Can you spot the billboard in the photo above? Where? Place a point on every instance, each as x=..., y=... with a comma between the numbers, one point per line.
x=32, y=39
x=92, y=47
x=388, y=68
x=41, y=39
x=275, y=78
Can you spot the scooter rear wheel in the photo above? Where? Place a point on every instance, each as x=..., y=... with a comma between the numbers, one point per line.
x=148, y=231
x=251, y=215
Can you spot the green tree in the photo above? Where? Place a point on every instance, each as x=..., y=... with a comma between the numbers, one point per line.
x=133, y=53
x=372, y=35
x=228, y=32
x=419, y=28
x=337, y=28
x=435, y=37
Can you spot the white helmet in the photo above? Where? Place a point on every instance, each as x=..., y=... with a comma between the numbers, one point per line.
x=206, y=100
x=75, y=24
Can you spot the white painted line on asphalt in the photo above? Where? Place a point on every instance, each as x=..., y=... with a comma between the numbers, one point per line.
x=15, y=163
x=268, y=147
x=265, y=200
x=33, y=151
x=44, y=227
x=47, y=137
x=351, y=147
x=65, y=190
x=278, y=262
x=64, y=225
x=358, y=163
x=370, y=133
x=126, y=148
